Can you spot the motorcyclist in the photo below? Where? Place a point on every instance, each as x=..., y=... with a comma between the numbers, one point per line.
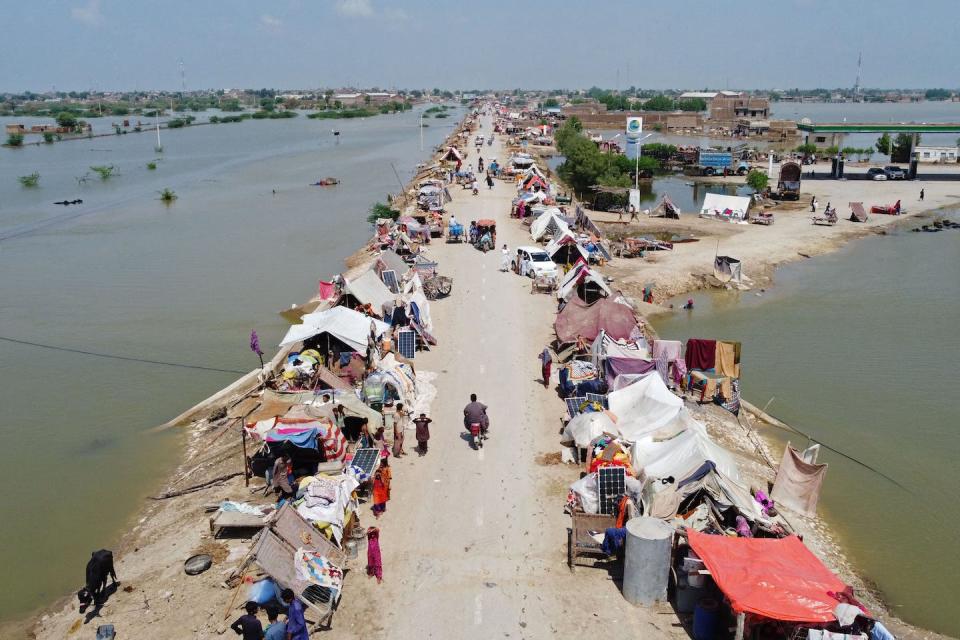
x=476, y=413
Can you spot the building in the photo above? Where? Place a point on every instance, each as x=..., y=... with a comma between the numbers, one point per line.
x=730, y=109
x=348, y=99
x=941, y=155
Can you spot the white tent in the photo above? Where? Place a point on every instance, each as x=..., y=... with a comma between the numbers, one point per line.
x=562, y=239
x=347, y=325
x=586, y=426
x=606, y=347
x=368, y=288
x=569, y=284
x=722, y=207
x=682, y=454
x=645, y=407
x=551, y=218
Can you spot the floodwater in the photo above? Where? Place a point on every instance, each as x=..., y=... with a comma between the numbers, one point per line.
x=125, y=274
x=858, y=349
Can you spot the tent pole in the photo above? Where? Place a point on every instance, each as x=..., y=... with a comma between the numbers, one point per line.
x=741, y=619
x=243, y=439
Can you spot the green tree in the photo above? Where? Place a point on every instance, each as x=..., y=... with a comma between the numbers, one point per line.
x=551, y=103
x=659, y=103
x=849, y=152
x=883, y=144
x=937, y=94
x=67, y=119
x=267, y=104
x=15, y=140
x=832, y=150
x=901, y=147
x=379, y=211
x=758, y=180
x=48, y=137
x=807, y=149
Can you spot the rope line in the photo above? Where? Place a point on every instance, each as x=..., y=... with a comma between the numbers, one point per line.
x=112, y=356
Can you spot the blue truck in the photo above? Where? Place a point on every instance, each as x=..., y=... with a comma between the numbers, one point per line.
x=710, y=163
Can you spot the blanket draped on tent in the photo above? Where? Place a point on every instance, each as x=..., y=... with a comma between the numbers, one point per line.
x=581, y=320
x=798, y=483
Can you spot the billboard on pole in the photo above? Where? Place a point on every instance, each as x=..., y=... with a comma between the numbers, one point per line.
x=634, y=128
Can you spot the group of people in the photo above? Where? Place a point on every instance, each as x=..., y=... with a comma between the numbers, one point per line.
x=293, y=628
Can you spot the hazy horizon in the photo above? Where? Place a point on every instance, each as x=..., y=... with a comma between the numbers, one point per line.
x=107, y=45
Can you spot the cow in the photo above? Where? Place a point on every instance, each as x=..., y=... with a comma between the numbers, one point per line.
x=99, y=568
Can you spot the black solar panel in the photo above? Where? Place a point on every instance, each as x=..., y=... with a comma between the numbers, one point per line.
x=612, y=486
x=407, y=343
x=390, y=279
x=573, y=405
x=599, y=399
x=366, y=460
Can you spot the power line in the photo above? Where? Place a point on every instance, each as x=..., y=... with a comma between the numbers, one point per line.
x=112, y=356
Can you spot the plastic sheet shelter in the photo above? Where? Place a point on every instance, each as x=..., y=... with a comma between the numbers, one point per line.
x=368, y=288
x=644, y=408
x=584, y=282
x=775, y=578
x=349, y=326
x=564, y=249
x=579, y=319
x=727, y=269
x=733, y=208
x=548, y=224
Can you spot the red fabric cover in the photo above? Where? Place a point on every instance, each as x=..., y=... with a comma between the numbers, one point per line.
x=776, y=578
x=580, y=319
x=701, y=354
x=326, y=290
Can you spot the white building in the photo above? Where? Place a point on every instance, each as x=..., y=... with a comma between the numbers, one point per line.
x=941, y=155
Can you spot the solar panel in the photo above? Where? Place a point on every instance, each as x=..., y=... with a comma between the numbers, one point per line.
x=390, y=279
x=573, y=405
x=366, y=460
x=407, y=343
x=600, y=399
x=612, y=486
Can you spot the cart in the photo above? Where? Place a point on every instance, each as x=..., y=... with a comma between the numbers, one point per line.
x=455, y=233
x=484, y=227
x=437, y=287
x=580, y=541
x=543, y=283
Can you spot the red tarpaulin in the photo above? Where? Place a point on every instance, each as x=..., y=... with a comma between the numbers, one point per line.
x=776, y=578
x=580, y=319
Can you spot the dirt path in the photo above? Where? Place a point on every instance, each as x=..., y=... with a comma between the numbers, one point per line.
x=474, y=542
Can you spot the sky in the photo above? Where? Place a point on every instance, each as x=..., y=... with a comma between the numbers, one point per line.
x=285, y=44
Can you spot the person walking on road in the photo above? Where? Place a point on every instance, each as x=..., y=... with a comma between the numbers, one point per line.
x=546, y=361
x=505, y=259
x=399, y=425
x=489, y=181
x=423, y=433
x=921, y=195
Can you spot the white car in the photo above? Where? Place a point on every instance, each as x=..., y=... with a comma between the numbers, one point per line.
x=876, y=173
x=535, y=262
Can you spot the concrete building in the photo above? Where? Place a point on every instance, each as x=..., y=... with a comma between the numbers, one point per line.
x=940, y=155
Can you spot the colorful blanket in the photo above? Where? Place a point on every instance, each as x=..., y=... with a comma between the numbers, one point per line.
x=315, y=568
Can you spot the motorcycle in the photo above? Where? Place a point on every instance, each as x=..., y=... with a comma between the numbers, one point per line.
x=476, y=435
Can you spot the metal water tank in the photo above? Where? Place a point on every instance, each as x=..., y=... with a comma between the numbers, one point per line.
x=646, y=569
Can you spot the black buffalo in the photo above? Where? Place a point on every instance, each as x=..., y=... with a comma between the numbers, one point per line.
x=99, y=569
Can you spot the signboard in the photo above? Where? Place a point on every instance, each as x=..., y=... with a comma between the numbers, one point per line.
x=716, y=159
x=634, y=128
x=634, y=201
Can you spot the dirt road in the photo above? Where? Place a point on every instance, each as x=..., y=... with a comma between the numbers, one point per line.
x=474, y=542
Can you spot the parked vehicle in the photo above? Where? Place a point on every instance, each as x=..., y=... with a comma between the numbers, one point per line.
x=788, y=186
x=894, y=172
x=538, y=261
x=876, y=173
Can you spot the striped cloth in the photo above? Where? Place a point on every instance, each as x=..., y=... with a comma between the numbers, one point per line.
x=334, y=442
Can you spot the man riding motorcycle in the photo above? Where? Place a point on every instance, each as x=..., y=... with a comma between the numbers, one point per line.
x=475, y=420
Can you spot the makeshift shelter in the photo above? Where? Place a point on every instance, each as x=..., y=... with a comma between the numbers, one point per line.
x=581, y=320
x=390, y=260
x=564, y=249
x=349, y=326
x=857, y=212
x=583, y=281
x=666, y=209
x=366, y=289
x=605, y=347
x=727, y=269
x=584, y=427
x=453, y=155
x=776, y=578
x=548, y=224
x=723, y=207
x=646, y=407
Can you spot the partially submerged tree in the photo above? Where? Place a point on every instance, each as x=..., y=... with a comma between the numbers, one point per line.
x=104, y=171
x=167, y=196
x=380, y=210
x=31, y=180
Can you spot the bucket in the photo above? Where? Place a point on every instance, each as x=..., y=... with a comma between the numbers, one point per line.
x=350, y=546
x=705, y=618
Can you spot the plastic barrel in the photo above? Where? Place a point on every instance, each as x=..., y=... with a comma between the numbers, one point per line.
x=646, y=568
x=705, y=618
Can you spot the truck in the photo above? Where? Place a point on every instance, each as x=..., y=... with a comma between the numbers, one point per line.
x=710, y=163
x=788, y=185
